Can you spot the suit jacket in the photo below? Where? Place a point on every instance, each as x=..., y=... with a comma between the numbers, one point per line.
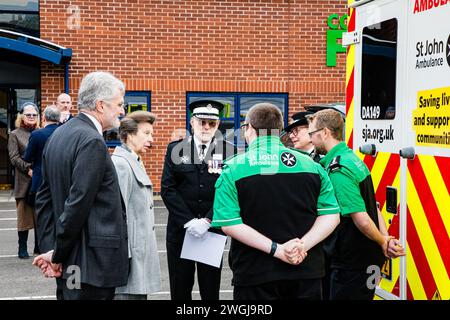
x=33, y=153
x=187, y=188
x=17, y=143
x=79, y=209
x=137, y=193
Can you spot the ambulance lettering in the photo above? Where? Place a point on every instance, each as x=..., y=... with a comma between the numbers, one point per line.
x=424, y=5
x=378, y=134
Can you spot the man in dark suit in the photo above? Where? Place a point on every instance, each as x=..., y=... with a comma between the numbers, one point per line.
x=33, y=154
x=191, y=168
x=36, y=143
x=81, y=218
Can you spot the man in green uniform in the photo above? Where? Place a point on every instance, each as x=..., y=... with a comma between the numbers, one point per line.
x=361, y=239
x=277, y=204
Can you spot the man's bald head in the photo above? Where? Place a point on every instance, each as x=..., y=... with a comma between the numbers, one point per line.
x=64, y=102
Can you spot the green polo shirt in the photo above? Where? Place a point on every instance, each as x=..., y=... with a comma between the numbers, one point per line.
x=279, y=192
x=260, y=160
x=353, y=186
x=346, y=178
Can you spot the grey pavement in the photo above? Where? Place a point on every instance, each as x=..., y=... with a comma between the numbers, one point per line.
x=20, y=280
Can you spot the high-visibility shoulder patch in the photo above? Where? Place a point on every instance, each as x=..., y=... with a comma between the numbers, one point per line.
x=335, y=164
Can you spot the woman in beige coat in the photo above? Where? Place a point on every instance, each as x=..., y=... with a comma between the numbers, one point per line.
x=27, y=120
x=136, y=133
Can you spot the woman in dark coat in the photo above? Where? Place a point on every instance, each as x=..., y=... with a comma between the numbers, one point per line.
x=27, y=120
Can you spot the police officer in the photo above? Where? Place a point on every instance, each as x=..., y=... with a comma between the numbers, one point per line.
x=191, y=168
x=361, y=240
x=298, y=134
x=265, y=200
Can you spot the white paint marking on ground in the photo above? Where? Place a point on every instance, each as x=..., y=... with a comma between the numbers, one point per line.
x=161, y=293
x=8, y=219
x=29, y=298
x=9, y=229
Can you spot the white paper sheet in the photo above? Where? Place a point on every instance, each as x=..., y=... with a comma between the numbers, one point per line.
x=207, y=249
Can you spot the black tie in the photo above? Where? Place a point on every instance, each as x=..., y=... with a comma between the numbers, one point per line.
x=202, y=152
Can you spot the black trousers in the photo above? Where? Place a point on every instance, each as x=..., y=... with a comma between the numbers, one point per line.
x=304, y=289
x=350, y=285
x=86, y=292
x=181, y=276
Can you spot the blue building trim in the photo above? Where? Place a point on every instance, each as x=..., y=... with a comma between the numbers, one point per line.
x=38, y=50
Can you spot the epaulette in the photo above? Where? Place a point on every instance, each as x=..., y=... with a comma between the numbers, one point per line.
x=335, y=164
x=188, y=139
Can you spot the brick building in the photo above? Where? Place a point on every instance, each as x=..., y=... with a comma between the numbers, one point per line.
x=171, y=52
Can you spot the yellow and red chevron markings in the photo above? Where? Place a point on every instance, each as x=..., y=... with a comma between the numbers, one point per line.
x=428, y=207
x=428, y=222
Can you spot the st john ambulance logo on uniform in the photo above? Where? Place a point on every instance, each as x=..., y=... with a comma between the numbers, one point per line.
x=288, y=159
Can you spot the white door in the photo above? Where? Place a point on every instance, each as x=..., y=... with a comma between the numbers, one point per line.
x=379, y=117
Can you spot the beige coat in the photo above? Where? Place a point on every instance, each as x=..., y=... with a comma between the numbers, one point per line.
x=17, y=143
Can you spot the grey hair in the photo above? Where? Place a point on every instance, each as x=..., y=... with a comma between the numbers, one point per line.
x=52, y=113
x=98, y=86
x=28, y=104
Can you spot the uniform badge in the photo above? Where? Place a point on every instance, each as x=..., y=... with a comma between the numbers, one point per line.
x=215, y=165
x=335, y=164
x=288, y=159
x=184, y=159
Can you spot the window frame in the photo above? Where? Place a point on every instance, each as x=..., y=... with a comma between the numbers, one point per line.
x=132, y=93
x=237, y=104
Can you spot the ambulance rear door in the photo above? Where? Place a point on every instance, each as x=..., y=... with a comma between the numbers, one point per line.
x=427, y=132
x=379, y=113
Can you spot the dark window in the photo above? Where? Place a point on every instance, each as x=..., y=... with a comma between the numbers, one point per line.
x=20, y=16
x=236, y=108
x=27, y=23
x=379, y=62
x=19, y=5
x=134, y=101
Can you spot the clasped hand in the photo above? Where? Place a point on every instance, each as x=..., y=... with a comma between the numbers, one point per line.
x=293, y=252
x=49, y=269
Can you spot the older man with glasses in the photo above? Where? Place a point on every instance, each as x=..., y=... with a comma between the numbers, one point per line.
x=191, y=168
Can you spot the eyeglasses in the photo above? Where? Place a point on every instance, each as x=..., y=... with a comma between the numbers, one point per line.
x=211, y=123
x=120, y=105
x=30, y=115
x=295, y=130
x=312, y=132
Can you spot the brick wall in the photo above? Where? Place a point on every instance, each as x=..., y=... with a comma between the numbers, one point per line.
x=170, y=47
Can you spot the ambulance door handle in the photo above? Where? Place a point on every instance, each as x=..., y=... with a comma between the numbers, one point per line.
x=369, y=149
x=407, y=153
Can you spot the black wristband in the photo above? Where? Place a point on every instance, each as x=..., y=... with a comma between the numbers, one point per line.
x=273, y=248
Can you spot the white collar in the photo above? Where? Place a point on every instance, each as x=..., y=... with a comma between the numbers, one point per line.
x=310, y=151
x=198, y=144
x=96, y=123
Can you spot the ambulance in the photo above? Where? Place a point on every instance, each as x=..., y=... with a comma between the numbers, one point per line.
x=398, y=122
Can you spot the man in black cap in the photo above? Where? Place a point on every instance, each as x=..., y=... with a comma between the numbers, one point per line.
x=191, y=168
x=298, y=134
